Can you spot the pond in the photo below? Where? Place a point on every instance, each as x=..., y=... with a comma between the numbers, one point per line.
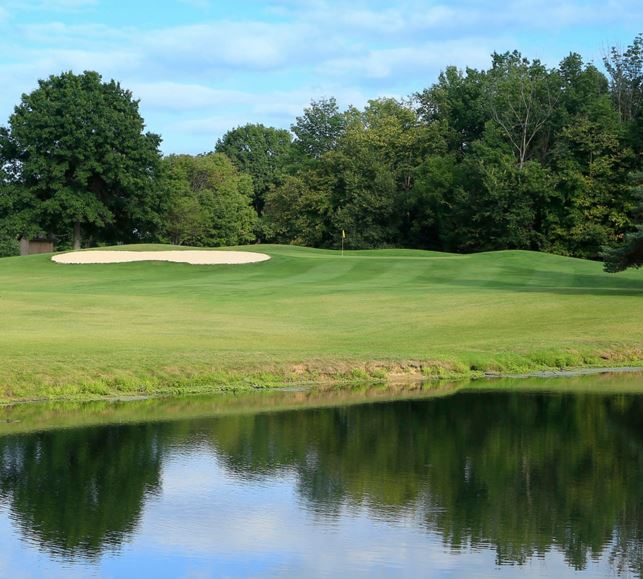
x=530, y=478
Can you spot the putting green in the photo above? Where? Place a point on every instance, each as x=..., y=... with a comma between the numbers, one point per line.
x=306, y=313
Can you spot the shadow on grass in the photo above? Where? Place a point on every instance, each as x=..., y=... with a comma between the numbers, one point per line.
x=551, y=282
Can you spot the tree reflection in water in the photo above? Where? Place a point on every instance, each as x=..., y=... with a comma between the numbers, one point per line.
x=523, y=473
x=78, y=492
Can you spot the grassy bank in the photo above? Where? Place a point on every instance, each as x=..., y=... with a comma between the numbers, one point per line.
x=307, y=315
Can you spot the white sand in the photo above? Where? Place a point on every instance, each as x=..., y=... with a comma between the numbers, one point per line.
x=194, y=257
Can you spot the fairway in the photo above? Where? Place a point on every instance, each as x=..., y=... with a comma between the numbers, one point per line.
x=307, y=313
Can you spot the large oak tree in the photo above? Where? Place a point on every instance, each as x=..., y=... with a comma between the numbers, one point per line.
x=77, y=149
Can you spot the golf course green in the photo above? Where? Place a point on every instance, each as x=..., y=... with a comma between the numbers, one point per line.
x=83, y=331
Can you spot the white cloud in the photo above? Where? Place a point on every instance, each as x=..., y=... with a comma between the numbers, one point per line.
x=174, y=96
x=198, y=133
x=212, y=127
x=418, y=16
x=90, y=34
x=247, y=45
x=114, y=63
x=280, y=107
x=50, y=5
x=202, y=78
x=419, y=60
x=201, y=4
x=381, y=22
x=66, y=4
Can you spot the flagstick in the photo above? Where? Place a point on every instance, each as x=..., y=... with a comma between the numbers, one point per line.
x=342, y=246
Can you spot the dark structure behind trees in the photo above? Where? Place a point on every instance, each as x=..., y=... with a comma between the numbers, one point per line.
x=34, y=246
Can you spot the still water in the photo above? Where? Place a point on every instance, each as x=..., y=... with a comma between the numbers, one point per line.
x=540, y=481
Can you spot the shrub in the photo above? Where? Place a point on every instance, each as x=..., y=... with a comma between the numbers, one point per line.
x=9, y=247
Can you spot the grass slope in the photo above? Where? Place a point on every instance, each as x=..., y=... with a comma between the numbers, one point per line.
x=306, y=314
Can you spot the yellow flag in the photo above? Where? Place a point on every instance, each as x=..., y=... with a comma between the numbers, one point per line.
x=343, y=234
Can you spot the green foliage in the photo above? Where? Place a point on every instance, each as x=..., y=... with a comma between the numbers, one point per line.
x=209, y=202
x=629, y=253
x=16, y=213
x=298, y=211
x=13, y=223
x=518, y=155
x=625, y=69
x=186, y=220
x=262, y=152
x=9, y=247
x=363, y=197
x=503, y=213
x=590, y=162
x=76, y=147
x=320, y=127
x=521, y=97
x=357, y=184
x=455, y=101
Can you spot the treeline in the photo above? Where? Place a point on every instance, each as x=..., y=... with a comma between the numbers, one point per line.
x=516, y=156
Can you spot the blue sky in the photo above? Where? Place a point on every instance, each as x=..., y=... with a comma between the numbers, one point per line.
x=201, y=67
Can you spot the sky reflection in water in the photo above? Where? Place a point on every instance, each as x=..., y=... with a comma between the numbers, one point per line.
x=470, y=485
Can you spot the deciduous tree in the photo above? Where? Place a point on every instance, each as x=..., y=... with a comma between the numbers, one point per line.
x=320, y=127
x=77, y=148
x=521, y=98
x=262, y=152
x=209, y=201
x=629, y=253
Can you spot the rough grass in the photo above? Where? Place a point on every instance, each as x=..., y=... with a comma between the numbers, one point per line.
x=306, y=315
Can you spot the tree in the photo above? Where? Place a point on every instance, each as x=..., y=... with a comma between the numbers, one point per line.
x=430, y=205
x=261, y=152
x=186, y=221
x=77, y=146
x=629, y=253
x=371, y=170
x=209, y=201
x=10, y=221
x=321, y=126
x=590, y=205
x=521, y=98
x=299, y=210
x=456, y=102
x=581, y=85
x=625, y=68
x=495, y=200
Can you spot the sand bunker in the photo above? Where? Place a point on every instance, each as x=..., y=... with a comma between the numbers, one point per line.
x=194, y=257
